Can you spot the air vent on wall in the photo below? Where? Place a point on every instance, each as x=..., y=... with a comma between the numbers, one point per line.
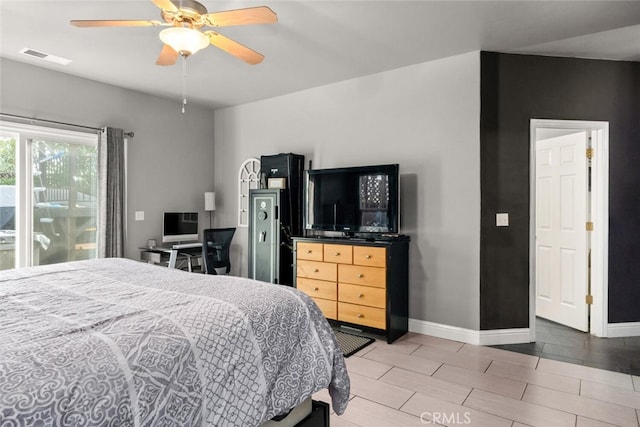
x=45, y=56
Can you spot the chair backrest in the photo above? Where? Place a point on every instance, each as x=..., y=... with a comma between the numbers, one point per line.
x=215, y=248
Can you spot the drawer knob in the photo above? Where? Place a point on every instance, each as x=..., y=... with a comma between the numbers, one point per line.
x=337, y=253
x=360, y=276
x=360, y=315
x=315, y=270
x=316, y=289
x=367, y=256
x=309, y=251
x=361, y=296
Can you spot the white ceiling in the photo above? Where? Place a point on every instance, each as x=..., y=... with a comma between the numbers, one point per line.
x=314, y=43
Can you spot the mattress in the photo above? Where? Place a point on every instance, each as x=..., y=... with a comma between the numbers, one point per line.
x=119, y=342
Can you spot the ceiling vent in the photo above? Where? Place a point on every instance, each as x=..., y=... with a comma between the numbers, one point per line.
x=45, y=56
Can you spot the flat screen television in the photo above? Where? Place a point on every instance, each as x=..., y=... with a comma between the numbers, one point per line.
x=353, y=200
x=179, y=226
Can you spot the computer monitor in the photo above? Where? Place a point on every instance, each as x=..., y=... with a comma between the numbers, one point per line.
x=179, y=226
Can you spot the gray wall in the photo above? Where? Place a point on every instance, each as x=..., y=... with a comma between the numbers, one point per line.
x=424, y=117
x=170, y=158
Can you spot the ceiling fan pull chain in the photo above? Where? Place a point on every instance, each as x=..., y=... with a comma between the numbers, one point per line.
x=184, y=82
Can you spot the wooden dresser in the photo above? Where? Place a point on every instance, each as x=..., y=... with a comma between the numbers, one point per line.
x=358, y=283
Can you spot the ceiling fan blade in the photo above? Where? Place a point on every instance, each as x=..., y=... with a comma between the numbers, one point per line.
x=165, y=5
x=114, y=23
x=167, y=56
x=250, y=15
x=234, y=48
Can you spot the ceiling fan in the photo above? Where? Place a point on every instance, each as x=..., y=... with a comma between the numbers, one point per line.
x=185, y=19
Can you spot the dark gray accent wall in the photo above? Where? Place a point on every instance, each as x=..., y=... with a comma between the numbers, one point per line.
x=515, y=89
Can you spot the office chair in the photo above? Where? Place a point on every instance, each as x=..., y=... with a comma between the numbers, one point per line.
x=215, y=249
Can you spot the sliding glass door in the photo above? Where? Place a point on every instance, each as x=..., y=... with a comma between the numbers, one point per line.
x=48, y=196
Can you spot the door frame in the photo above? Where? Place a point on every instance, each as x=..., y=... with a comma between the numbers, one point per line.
x=25, y=134
x=599, y=196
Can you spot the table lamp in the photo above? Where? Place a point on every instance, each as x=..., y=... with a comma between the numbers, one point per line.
x=210, y=203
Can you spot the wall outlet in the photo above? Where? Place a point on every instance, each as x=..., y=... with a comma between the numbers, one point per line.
x=139, y=215
x=502, y=220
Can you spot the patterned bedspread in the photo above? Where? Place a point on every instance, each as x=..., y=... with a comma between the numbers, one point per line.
x=121, y=343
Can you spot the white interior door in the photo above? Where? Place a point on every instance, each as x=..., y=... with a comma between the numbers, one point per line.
x=561, y=242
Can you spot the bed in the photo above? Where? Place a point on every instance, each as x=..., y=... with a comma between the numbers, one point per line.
x=122, y=343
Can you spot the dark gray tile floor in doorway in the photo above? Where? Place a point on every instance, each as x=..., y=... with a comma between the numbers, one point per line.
x=558, y=342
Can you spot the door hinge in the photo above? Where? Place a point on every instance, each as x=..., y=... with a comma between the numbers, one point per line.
x=589, y=225
x=589, y=299
x=589, y=153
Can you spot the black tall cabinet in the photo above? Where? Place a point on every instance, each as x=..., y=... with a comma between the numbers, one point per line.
x=275, y=217
x=290, y=168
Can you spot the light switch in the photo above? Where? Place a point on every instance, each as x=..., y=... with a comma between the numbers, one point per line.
x=502, y=220
x=139, y=215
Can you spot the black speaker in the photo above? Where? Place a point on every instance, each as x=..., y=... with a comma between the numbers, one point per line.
x=290, y=167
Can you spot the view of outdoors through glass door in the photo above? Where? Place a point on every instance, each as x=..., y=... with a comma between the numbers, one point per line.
x=59, y=199
x=7, y=201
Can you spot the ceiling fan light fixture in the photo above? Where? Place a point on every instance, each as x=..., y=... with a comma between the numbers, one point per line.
x=185, y=41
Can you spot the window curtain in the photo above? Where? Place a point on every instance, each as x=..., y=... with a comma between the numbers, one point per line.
x=111, y=191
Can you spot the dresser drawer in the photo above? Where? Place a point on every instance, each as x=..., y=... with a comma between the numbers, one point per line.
x=341, y=254
x=328, y=308
x=364, y=295
x=360, y=275
x=317, y=270
x=317, y=288
x=361, y=315
x=310, y=251
x=370, y=256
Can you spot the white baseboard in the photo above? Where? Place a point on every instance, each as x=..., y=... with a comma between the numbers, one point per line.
x=627, y=329
x=503, y=336
x=471, y=336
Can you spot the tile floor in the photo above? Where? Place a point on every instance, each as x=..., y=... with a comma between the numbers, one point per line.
x=423, y=380
x=558, y=342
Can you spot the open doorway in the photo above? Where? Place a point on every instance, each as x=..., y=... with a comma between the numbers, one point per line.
x=569, y=224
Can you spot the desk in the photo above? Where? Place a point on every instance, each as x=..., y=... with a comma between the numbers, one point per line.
x=169, y=255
